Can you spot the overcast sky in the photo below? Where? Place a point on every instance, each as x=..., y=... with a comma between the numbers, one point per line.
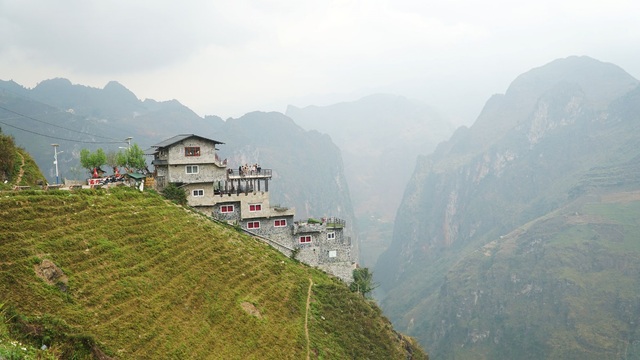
x=227, y=58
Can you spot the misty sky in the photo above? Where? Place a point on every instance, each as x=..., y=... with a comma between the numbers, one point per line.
x=227, y=58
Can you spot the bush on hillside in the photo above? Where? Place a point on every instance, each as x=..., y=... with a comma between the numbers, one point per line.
x=175, y=194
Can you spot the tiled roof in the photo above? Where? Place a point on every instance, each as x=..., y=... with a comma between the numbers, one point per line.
x=179, y=138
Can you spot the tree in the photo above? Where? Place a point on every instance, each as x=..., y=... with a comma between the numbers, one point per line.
x=132, y=158
x=363, y=281
x=7, y=156
x=90, y=160
x=112, y=160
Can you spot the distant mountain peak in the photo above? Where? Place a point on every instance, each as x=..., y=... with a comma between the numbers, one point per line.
x=599, y=80
x=114, y=85
x=114, y=88
x=53, y=83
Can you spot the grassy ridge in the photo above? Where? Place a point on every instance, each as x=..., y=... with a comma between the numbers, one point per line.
x=148, y=279
x=17, y=167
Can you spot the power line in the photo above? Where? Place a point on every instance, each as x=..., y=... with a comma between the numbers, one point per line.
x=59, y=138
x=55, y=125
x=29, y=98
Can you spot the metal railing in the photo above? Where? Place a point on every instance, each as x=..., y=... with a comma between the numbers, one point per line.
x=239, y=174
x=334, y=222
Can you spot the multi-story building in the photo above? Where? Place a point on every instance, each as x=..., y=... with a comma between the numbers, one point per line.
x=241, y=197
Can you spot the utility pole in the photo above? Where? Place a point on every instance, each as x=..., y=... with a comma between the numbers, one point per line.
x=55, y=159
x=128, y=140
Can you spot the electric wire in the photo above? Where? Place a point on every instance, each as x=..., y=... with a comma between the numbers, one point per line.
x=29, y=98
x=65, y=139
x=55, y=125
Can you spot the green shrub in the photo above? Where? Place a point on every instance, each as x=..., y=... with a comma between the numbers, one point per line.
x=175, y=194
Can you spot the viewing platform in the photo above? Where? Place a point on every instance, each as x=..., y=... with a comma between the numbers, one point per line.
x=313, y=225
x=250, y=174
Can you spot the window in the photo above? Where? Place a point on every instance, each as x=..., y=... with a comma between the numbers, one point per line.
x=333, y=253
x=305, y=239
x=255, y=207
x=198, y=192
x=253, y=225
x=331, y=235
x=192, y=151
x=192, y=169
x=280, y=223
x=226, y=209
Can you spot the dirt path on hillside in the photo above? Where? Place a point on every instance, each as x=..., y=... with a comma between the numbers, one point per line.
x=21, y=172
x=306, y=318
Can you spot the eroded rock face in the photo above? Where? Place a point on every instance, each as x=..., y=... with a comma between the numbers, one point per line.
x=51, y=274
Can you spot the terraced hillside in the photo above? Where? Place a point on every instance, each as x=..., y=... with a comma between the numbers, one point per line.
x=123, y=274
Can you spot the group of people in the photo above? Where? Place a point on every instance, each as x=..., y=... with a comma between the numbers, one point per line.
x=247, y=169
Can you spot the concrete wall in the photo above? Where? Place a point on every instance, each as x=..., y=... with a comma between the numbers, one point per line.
x=176, y=155
x=253, y=198
x=206, y=173
x=197, y=201
x=343, y=270
x=330, y=255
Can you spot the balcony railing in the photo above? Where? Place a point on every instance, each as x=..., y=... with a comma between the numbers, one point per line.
x=334, y=222
x=249, y=174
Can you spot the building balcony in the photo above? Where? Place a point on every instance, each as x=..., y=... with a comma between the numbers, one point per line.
x=313, y=225
x=255, y=174
x=334, y=223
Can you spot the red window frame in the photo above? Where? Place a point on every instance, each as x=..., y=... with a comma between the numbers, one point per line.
x=306, y=239
x=192, y=151
x=280, y=223
x=253, y=225
x=255, y=207
x=226, y=209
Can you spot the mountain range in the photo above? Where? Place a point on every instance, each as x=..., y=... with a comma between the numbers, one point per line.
x=308, y=169
x=518, y=237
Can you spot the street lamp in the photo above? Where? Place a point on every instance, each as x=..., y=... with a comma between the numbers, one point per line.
x=55, y=159
x=128, y=140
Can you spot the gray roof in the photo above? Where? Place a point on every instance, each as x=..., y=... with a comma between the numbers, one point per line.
x=179, y=138
x=136, y=176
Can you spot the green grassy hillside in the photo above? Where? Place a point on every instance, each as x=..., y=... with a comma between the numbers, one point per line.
x=128, y=275
x=17, y=167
